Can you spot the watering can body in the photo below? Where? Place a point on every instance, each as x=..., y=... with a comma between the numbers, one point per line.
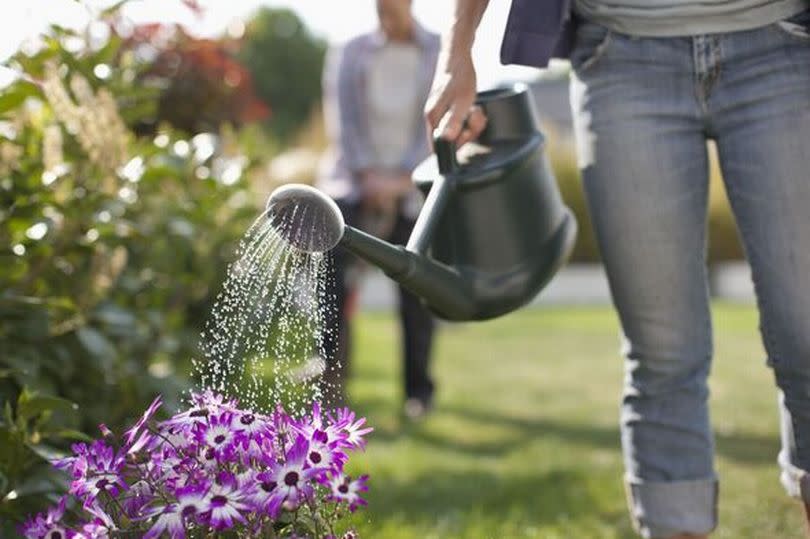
x=493, y=230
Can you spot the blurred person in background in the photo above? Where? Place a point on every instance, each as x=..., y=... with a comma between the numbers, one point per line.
x=375, y=87
x=652, y=82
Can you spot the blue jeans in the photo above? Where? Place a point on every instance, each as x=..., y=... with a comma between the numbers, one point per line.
x=644, y=109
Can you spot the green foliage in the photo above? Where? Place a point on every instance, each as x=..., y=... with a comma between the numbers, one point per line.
x=30, y=432
x=113, y=248
x=286, y=62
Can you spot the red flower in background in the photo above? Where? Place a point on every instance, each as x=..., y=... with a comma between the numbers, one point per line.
x=202, y=84
x=206, y=86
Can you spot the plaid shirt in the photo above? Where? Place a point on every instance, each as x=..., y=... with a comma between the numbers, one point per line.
x=346, y=111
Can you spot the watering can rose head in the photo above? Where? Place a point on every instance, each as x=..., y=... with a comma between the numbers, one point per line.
x=305, y=217
x=212, y=467
x=492, y=232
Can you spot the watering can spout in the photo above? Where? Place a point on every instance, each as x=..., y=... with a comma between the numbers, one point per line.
x=441, y=287
x=311, y=221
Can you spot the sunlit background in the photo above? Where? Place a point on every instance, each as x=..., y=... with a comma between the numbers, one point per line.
x=336, y=21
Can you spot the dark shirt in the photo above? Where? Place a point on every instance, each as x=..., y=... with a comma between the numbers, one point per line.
x=536, y=31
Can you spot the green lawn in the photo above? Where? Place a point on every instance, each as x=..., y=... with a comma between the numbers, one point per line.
x=523, y=441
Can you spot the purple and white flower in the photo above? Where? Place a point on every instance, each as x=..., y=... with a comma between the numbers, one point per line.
x=172, y=518
x=344, y=489
x=131, y=435
x=95, y=469
x=292, y=479
x=47, y=525
x=355, y=433
x=211, y=468
x=226, y=503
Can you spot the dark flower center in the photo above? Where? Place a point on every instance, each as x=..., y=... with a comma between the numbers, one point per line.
x=202, y=412
x=209, y=454
x=56, y=534
x=291, y=479
x=315, y=457
x=343, y=489
x=247, y=419
x=219, y=438
x=218, y=500
x=188, y=510
x=101, y=483
x=268, y=486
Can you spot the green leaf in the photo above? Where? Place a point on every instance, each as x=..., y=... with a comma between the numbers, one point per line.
x=30, y=405
x=66, y=434
x=114, y=8
x=114, y=315
x=96, y=344
x=42, y=479
x=13, y=97
x=35, y=65
x=107, y=53
x=48, y=453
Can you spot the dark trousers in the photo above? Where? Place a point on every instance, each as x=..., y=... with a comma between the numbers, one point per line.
x=416, y=321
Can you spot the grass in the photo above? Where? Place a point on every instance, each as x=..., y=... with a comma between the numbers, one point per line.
x=523, y=441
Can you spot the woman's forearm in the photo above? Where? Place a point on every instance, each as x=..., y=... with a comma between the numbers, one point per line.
x=451, y=100
x=467, y=17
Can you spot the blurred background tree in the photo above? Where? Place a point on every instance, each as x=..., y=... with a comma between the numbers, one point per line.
x=286, y=62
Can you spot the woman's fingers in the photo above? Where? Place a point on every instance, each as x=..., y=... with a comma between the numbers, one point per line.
x=436, y=106
x=453, y=96
x=475, y=124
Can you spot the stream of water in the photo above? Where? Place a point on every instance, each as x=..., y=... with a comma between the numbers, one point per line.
x=266, y=340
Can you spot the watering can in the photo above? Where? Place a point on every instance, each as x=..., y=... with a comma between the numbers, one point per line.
x=492, y=232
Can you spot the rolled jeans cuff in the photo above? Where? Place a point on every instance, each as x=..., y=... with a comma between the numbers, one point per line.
x=795, y=480
x=661, y=509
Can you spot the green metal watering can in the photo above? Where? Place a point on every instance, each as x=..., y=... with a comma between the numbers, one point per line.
x=493, y=230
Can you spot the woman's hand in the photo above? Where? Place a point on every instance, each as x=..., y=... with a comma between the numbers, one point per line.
x=450, y=111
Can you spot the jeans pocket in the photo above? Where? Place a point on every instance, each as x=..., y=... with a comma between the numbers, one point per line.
x=797, y=26
x=591, y=42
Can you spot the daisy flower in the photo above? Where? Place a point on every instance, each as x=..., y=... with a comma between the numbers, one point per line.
x=95, y=468
x=225, y=503
x=217, y=433
x=344, y=489
x=46, y=525
x=172, y=518
x=292, y=479
x=354, y=431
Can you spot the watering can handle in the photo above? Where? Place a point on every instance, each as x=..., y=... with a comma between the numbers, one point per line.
x=437, y=198
x=445, y=154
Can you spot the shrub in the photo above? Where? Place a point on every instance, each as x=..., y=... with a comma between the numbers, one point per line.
x=286, y=62
x=113, y=247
